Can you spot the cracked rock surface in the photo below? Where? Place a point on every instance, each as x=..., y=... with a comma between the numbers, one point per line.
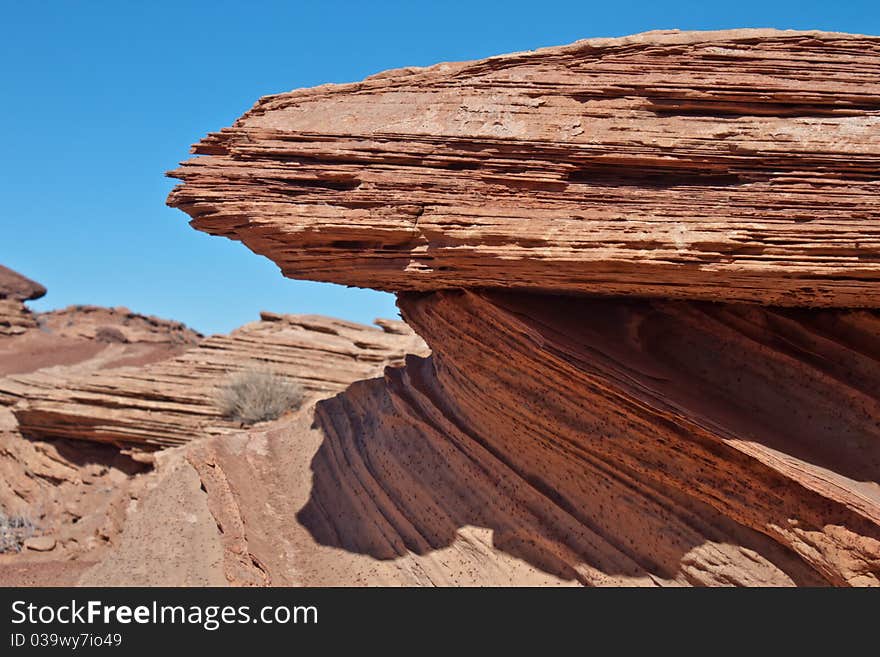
x=740, y=165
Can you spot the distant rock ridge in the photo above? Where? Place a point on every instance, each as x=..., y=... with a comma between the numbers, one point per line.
x=115, y=325
x=173, y=401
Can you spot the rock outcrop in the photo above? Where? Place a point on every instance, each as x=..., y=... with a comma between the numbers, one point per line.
x=173, y=401
x=741, y=166
x=76, y=493
x=15, y=289
x=569, y=426
x=115, y=325
x=80, y=338
x=552, y=440
x=86, y=338
x=74, y=496
x=15, y=286
x=122, y=380
x=564, y=430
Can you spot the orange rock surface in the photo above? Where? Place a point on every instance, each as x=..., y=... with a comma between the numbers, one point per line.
x=76, y=495
x=127, y=383
x=552, y=441
x=15, y=289
x=661, y=440
x=741, y=165
x=173, y=401
x=574, y=232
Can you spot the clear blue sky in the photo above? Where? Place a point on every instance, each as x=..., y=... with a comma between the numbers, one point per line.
x=99, y=99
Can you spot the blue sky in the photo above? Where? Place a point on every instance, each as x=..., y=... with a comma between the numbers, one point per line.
x=99, y=99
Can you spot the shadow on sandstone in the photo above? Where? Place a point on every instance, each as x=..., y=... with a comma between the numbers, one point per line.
x=388, y=481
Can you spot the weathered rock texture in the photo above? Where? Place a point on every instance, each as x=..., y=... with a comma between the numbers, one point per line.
x=15, y=289
x=74, y=492
x=550, y=440
x=126, y=380
x=76, y=495
x=572, y=438
x=657, y=427
x=173, y=401
x=15, y=286
x=740, y=165
x=547, y=439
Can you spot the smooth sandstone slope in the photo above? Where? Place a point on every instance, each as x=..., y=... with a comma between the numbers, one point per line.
x=741, y=165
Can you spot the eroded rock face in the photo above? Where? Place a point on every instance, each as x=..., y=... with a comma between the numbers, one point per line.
x=74, y=496
x=15, y=318
x=15, y=289
x=574, y=439
x=144, y=385
x=548, y=439
x=741, y=165
x=647, y=421
x=173, y=401
x=15, y=286
x=552, y=441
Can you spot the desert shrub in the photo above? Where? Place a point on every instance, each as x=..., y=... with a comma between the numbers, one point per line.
x=110, y=334
x=258, y=394
x=14, y=531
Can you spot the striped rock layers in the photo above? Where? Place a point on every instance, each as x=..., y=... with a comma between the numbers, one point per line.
x=741, y=165
x=173, y=401
x=15, y=289
x=646, y=437
x=547, y=441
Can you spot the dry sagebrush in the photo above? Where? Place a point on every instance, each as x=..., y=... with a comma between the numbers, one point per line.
x=14, y=531
x=258, y=394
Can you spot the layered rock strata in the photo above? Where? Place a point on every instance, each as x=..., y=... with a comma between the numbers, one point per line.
x=15, y=289
x=173, y=401
x=741, y=165
x=74, y=496
x=574, y=439
x=551, y=441
x=119, y=379
x=657, y=427
x=15, y=286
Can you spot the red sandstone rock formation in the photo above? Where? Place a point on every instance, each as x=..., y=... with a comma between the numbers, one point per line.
x=15, y=289
x=741, y=165
x=552, y=439
x=76, y=495
x=118, y=379
x=173, y=401
x=547, y=439
x=15, y=286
